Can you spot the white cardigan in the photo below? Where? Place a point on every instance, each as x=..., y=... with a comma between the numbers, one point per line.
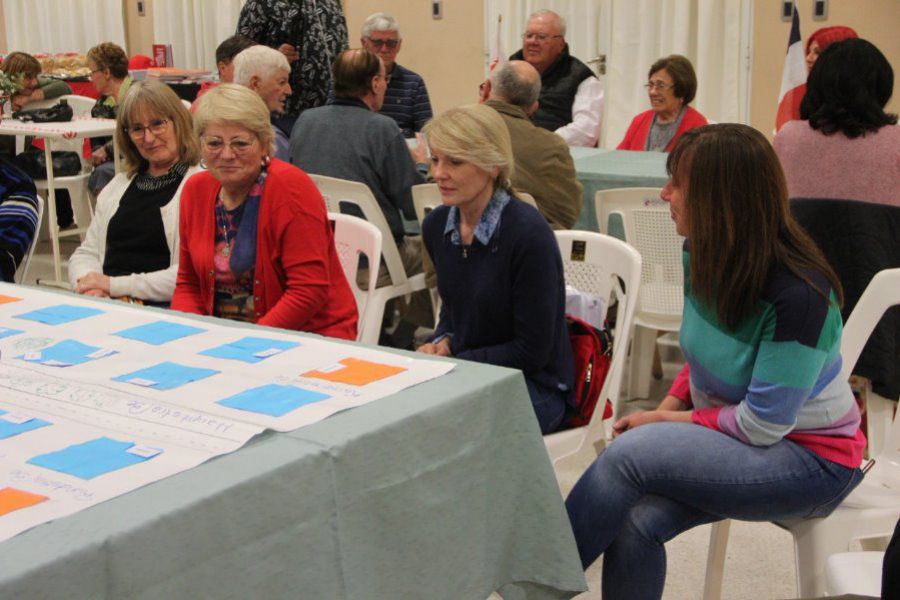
x=156, y=286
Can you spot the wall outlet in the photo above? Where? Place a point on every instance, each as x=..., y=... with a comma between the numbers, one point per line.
x=820, y=10
x=437, y=9
x=787, y=10
x=141, y=9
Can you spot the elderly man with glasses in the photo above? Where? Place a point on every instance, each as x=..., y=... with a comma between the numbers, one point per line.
x=571, y=101
x=406, y=99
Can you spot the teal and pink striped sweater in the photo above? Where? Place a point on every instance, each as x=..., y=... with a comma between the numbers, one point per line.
x=778, y=375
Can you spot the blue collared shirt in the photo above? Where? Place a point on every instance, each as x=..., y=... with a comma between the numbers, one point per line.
x=487, y=225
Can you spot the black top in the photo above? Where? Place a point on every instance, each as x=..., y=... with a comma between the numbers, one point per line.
x=559, y=84
x=136, y=238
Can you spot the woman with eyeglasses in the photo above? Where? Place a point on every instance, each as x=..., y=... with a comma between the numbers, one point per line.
x=256, y=242
x=671, y=86
x=131, y=247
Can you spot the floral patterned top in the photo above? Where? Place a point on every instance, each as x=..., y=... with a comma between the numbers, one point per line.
x=315, y=27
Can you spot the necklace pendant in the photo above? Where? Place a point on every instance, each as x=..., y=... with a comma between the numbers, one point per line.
x=226, y=251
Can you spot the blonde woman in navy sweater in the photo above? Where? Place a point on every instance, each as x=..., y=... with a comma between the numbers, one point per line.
x=498, y=266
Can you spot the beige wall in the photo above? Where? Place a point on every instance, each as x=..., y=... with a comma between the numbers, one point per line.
x=138, y=30
x=448, y=53
x=875, y=20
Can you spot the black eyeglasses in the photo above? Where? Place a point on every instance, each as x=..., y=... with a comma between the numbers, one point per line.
x=540, y=37
x=379, y=44
x=156, y=127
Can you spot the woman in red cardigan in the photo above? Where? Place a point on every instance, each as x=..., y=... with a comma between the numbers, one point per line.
x=256, y=243
x=671, y=85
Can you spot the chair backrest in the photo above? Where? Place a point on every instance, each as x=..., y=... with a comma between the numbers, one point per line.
x=882, y=293
x=22, y=271
x=81, y=105
x=340, y=191
x=526, y=198
x=594, y=262
x=354, y=237
x=426, y=196
x=186, y=103
x=647, y=225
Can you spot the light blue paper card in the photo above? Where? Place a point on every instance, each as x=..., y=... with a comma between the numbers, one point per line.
x=90, y=459
x=11, y=424
x=8, y=331
x=250, y=349
x=272, y=399
x=158, y=332
x=66, y=353
x=165, y=376
x=59, y=314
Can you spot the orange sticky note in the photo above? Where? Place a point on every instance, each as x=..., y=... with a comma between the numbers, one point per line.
x=355, y=371
x=12, y=499
x=8, y=299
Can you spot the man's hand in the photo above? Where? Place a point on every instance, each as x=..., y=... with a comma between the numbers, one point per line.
x=292, y=53
x=94, y=284
x=442, y=348
x=420, y=152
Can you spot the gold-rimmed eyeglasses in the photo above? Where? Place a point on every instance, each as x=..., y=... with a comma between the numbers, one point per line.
x=156, y=127
x=658, y=85
x=216, y=145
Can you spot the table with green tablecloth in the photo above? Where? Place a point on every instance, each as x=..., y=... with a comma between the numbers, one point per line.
x=600, y=169
x=443, y=490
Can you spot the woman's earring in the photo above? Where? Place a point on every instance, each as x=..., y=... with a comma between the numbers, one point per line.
x=265, y=160
x=202, y=164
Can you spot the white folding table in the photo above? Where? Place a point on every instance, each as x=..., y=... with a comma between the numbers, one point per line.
x=77, y=128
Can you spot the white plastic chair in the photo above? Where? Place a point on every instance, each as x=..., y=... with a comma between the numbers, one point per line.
x=22, y=271
x=186, y=103
x=337, y=191
x=873, y=508
x=647, y=225
x=526, y=198
x=352, y=237
x=76, y=185
x=598, y=264
x=856, y=573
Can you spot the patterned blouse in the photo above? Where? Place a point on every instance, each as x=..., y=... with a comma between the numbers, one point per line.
x=315, y=27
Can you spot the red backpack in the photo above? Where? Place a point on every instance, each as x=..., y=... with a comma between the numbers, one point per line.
x=592, y=350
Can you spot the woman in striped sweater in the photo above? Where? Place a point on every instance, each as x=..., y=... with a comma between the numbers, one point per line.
x=759, y=425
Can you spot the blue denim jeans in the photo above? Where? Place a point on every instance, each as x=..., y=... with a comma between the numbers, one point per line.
x=549, y=406
x=655, y=481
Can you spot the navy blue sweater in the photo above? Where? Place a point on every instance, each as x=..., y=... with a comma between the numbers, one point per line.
x=504, y=303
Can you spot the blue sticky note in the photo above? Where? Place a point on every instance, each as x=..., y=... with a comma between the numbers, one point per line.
x=9, y=428
x=272, y=399
x=66, y=353
x=8, y=331
x=250, y=349
x=59, y=314
x=90, y=459
x=165, y=376
x=158, y=332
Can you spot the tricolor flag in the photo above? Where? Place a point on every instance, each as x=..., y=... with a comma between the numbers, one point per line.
x=793, y=78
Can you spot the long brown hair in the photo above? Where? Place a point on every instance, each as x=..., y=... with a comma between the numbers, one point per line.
x=739, y=221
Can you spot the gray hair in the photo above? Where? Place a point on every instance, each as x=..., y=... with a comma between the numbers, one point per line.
x=560, y=22
x=261, y=61
x=380, y=22
x=508, y=83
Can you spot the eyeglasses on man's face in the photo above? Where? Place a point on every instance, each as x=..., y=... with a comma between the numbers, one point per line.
x=216, y=145
x=658, y=85
x=389, y=44
x=539, y=37
x=156, y=127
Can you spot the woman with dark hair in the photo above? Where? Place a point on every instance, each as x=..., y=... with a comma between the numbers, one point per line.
x=846, y=146
x=671, y=85
x=759, y=425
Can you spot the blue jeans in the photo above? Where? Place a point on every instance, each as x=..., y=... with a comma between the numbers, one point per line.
x=549, y=406
x=655, y=481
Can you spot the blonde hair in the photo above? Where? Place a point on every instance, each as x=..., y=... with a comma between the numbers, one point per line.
x=476, y=134
x=236, y=105
x=154, y=98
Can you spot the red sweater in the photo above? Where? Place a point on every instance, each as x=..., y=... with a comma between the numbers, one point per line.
x=636, y=136
x=299, y=283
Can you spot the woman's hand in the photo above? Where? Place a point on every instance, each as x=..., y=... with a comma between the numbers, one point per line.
x=651, y=416
x=442, y=348
x=94, y=284
x=99, y=156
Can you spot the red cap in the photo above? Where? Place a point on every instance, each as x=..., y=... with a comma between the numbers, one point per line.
x=826, y=36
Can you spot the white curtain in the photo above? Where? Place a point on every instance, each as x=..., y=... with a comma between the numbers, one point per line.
x=35, y=26
x=713, y=34
x=195, y=28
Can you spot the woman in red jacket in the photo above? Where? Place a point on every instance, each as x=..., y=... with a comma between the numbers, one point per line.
x=256, y=243
x=671, y=85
